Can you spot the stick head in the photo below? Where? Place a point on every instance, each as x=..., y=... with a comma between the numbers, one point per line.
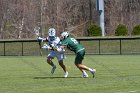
x=36, y=29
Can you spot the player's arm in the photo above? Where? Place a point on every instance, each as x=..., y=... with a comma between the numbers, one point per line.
x=58, y=49
x=40, y=39
x=62, y=46
x=61, y=49
x=45, y=46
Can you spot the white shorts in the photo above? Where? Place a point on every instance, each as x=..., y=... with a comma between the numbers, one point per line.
x=59, y=56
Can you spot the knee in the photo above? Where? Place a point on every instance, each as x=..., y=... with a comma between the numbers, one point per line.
x=76, y=64
x=49, y=60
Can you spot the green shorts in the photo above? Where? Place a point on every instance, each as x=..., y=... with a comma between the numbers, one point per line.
x=79, y=57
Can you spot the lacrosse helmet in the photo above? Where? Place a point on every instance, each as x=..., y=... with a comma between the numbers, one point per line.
x=52, y=32
x=64, y=35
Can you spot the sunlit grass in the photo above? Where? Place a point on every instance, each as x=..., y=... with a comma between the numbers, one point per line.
x=115, y=74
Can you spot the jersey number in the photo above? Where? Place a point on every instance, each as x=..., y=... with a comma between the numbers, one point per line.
x=74, y=41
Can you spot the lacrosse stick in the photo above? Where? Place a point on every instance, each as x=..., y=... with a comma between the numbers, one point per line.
x=36, y=29
x=72, y=28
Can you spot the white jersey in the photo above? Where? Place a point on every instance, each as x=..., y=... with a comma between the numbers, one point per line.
x=56, y=43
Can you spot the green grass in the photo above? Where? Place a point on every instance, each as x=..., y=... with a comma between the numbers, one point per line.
x=31, y=74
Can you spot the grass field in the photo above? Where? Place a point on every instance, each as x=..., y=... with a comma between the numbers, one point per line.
x=31, y=74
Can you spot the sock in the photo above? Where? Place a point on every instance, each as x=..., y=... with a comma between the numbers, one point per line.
x=84, y=72
x=90, y=69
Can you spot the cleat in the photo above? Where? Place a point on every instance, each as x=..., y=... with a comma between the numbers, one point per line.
x=93, y=72
x=53, y=69
x=66, y=74
x=85, y=75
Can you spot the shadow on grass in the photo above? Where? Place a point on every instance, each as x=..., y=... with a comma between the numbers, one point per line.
x=53, y=77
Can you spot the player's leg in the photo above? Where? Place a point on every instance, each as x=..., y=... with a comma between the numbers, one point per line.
x=60, y=57
x=61, y=63
x=84, y=67
x=84, y=74
x=78, y=62
x=50, y=62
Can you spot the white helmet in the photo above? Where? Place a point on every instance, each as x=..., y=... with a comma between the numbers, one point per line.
x=64, y=35
x=51, y=32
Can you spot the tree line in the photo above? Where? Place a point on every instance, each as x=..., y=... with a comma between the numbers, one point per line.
x=19, y=18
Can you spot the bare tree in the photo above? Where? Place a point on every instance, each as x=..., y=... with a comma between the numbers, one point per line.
x=18, y=18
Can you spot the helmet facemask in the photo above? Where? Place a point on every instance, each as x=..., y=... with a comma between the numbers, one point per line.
x=64, y=35
x=52, y=33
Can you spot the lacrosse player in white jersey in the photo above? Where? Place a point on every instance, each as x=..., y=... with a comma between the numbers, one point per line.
x=54, y=43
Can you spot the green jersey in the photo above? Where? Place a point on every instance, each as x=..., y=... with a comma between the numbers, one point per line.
x=72, y=44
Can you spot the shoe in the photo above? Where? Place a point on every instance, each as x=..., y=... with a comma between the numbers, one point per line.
x=53, y=69
x=66, y=74
x=85, y=75
x=93, y=72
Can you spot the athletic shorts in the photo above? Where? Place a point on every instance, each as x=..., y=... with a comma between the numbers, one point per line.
x=79, y=57
x=59, y=56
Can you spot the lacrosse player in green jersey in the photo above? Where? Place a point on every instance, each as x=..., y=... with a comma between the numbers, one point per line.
x=79, y=50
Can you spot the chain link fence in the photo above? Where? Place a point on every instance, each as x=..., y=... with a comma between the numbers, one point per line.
x=95, y=46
